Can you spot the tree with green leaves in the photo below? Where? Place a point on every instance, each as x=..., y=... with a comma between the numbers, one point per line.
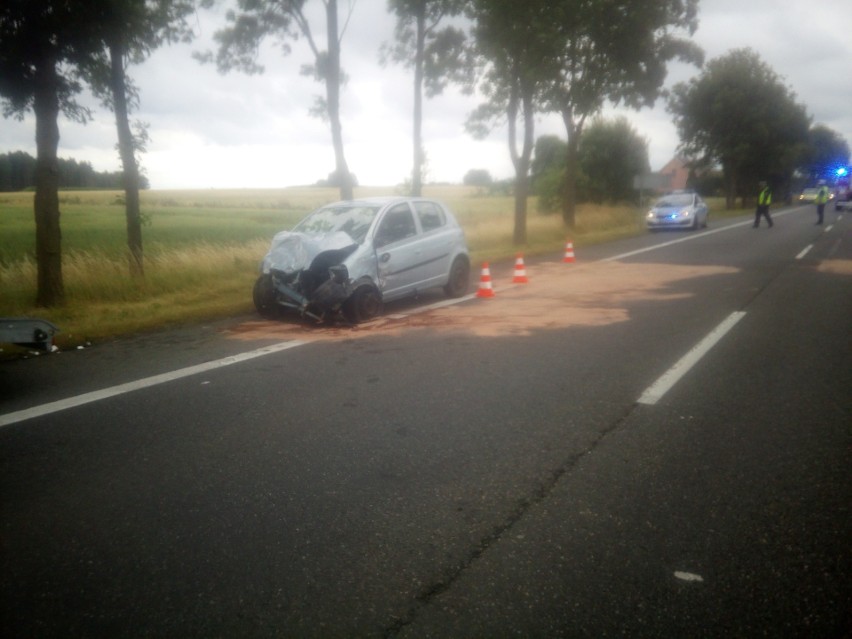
x=478, y=177
x=611, y=154
x=130, y=31
x=613, y=51
x=45, y=43
x=548, y=155
x=437, y=52
x=513, y=48
x=738, y=114
x=826, y=151
x=284, y=21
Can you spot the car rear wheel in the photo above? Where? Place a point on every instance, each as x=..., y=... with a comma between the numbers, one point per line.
x=459, y=278
x=364, y=304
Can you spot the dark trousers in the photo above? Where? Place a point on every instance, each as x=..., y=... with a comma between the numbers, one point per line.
x=762, y=209
x=820, y=211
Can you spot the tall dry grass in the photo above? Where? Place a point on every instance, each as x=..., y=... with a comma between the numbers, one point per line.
x=180, y=285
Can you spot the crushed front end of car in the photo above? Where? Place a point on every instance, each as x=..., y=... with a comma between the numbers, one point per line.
x=306, y=273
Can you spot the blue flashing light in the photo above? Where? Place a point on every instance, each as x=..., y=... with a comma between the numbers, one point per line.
x=842, y=171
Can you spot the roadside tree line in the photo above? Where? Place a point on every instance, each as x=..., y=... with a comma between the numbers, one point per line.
x=525, y=58
x=51, y=50
x=18, y=173
x=738, y=115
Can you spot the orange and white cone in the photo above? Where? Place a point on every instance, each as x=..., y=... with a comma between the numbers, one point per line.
x=569, y=252
x=485, y=289
x=520, y=276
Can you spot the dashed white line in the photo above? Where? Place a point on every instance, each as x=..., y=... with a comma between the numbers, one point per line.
x=688, y=576
x=659, y=388
x=805, y=251
x=86, y=398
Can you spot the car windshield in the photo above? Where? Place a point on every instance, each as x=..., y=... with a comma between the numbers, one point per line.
x=352, y=219
x=679, y=199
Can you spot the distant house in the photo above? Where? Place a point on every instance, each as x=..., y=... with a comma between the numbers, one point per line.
x=677, y=173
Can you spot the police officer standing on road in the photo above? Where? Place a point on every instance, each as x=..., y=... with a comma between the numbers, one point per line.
x=764, y=199
x=821, y=199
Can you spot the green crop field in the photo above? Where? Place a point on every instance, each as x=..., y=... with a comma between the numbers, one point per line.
x=202, y=249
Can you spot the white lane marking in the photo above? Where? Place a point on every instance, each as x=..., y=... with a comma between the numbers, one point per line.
x=678, y=241
x=689, y=238
x=688, y=576
x=86, y=398
x=659, y=388
x=805, y=251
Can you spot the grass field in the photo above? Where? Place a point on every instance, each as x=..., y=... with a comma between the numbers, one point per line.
x=202, y=249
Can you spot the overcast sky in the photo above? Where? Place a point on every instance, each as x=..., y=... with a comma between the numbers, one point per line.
x=236, y=131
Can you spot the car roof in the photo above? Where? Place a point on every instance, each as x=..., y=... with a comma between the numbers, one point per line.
x=381, y=200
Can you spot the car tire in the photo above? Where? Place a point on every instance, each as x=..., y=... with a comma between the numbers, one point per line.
x=459, y=279
x=263, y=295
x=363, y=305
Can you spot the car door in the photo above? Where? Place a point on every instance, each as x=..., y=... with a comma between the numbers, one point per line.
x=701, y=211
x=439, y=241
x=399, y=254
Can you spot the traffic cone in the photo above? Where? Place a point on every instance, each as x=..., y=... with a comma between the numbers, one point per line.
x=485, y=289
x=520, y=276
x=569, y=252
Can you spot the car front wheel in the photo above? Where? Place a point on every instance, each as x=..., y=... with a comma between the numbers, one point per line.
x=263, y=295
x=364, y=305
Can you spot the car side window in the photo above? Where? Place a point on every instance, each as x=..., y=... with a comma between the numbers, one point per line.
x=396, y=225
x=431, y=216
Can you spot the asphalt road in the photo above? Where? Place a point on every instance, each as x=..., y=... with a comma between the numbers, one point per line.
x=654, y=442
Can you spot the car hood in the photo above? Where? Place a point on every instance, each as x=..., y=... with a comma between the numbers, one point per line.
x=293, y=251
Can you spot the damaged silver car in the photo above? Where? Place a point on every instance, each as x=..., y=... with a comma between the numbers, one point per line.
x=344, y=260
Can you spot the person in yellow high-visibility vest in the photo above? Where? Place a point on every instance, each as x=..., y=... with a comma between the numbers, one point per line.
x=764, y=200
x=821, y=199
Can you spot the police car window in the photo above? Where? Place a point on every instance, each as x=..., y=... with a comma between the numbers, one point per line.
x=431, y=216
x=397, y=224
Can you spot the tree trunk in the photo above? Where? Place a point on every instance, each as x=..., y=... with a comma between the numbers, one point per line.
x=51, y=290
x=569, y=194
x=521, y=100
x=332, y=86
x=118, y=85
x=730, y=189
x=417, y=168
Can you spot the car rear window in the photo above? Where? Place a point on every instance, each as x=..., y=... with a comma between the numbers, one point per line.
x=431, y=216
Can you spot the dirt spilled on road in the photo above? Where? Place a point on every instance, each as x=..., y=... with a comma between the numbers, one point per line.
x=557, y=296
x=836, y=267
